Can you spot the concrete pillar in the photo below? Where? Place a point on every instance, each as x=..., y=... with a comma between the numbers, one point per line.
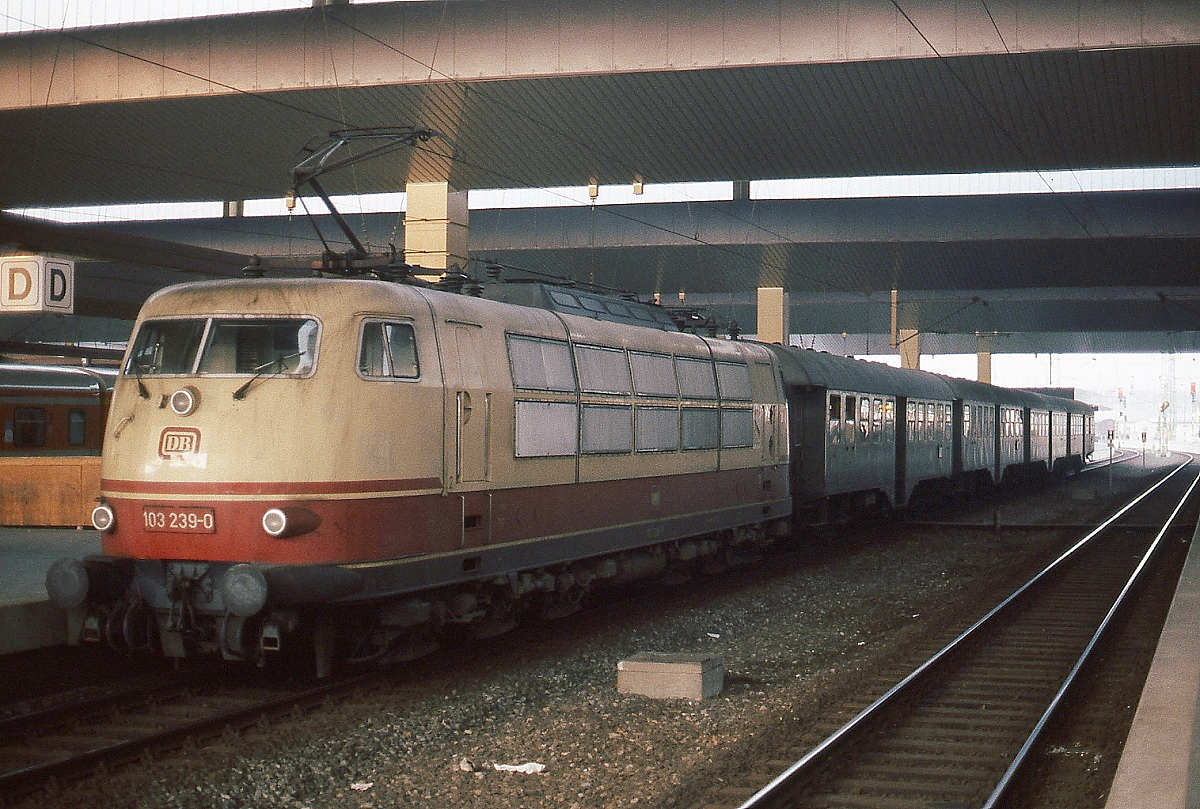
x=773, y=326
x=910, y=348
x=983, y=354
x=435, y=227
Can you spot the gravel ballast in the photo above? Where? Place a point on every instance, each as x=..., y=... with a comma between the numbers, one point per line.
x=795, y=633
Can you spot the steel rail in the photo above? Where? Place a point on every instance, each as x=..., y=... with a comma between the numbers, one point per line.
x=773, y=790
x=27, y=779
x=1022, y=755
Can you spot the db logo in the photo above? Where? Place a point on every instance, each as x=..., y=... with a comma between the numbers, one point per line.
x=177, y=441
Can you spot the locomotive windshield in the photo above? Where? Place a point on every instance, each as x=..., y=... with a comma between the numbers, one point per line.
x=224, y=346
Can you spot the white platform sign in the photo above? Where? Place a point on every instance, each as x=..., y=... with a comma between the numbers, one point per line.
x=37, y=284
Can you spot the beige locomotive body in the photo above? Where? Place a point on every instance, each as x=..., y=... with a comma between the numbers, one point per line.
x=378, y=460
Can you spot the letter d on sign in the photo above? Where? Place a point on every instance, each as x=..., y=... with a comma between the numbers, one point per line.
x=60, y=285
x=18, y=284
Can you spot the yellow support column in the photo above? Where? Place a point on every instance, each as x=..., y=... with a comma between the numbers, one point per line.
x=435, y=228
x=773, y=324
x=910, y=348
x=983, y=356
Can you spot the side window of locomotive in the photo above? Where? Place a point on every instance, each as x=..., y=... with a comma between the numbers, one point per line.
x=657, y=429
x=696, y=379
x=545, y=429
x=733, y=381
x=260, y=345
x=653, y=375
x=166, y=347
x=541, y=364
x=701, y=428
x=29, y=427
x=737, y=428
x=388, y=351
x=602, y=370
x=835, y=418
x=607, y=429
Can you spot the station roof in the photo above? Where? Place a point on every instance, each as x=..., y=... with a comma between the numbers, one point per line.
x=536, y=94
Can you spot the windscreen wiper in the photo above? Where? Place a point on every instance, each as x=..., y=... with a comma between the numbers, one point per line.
x=240, y=393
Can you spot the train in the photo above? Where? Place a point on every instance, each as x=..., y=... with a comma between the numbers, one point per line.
x=53, y=417
x=300, y=473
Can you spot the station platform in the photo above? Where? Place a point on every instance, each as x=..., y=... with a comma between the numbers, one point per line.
x=28, y=619
x=1160, y=765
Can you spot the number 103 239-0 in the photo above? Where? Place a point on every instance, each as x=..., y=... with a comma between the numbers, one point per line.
x=181, y=519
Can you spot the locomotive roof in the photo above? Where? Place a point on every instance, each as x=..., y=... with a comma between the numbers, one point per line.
x=318, y=296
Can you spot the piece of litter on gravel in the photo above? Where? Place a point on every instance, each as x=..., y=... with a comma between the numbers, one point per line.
x=529, y=767
x=713, y=635
x=362, y=786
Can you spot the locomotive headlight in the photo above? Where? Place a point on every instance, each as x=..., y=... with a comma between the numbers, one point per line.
x=289, y=522
x=103, y=518
x=185, y=401
x=244, y=590
x=67, y=583
x=275, y=522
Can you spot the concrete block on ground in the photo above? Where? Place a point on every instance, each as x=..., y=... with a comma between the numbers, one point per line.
x=31, y=625
x=664, y=675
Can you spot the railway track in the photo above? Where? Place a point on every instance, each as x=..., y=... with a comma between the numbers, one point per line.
x=957, y=730
x=78, y=737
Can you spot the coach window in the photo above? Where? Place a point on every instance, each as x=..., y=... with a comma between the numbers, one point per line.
x=889, y=419
x=653, y=375
x=602, y=370
x=540, y=364
x=29, y=427
x=389, y=350
x=966, y=426
x=864, y=416
x=76, y=428
x=835, y=418
x=877, y=418
x=849, y=426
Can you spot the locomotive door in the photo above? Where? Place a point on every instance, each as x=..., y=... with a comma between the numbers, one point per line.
x=472, y=406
